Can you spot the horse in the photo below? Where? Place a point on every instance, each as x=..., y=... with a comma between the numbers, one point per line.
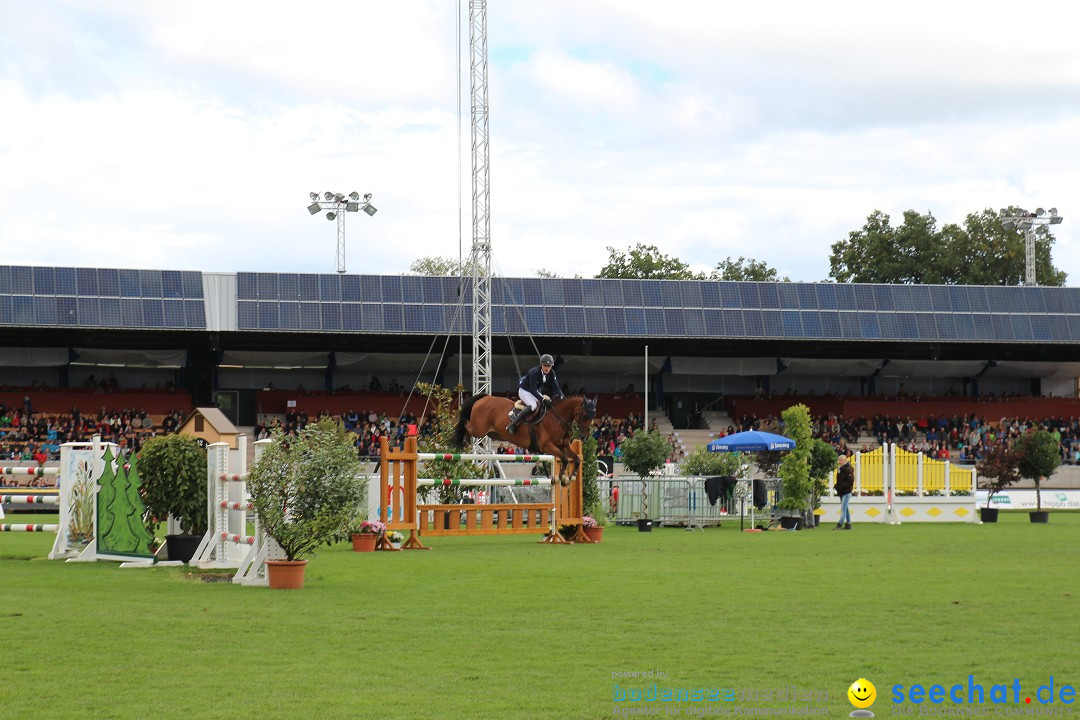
x=488, y=416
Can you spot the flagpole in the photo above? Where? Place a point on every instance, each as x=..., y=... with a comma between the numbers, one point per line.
x=646, y=388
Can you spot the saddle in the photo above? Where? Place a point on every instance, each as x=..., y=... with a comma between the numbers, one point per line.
x=530, y=418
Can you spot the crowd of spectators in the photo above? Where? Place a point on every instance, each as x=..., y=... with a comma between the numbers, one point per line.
x=368, y=426
x=957, y=438
x=26, y=436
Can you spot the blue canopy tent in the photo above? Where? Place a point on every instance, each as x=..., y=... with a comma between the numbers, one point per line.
x=751, y=441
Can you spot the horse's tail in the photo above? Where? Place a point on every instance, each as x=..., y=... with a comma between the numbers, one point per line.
x=460, y=433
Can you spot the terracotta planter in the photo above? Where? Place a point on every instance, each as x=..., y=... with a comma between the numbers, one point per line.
x=595, y=534
x=286, y=574
x=364, y=542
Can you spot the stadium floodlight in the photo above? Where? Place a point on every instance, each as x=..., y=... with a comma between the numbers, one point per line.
x=336, y=206
x=1028, y=223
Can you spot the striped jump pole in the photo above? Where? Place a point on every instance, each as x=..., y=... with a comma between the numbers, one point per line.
x=238, y=539
x=29, y=528
x=233, y=477
x=480, y=482
x=484, y=458
x=30, y=499
x=32, y=471
x=225, y=505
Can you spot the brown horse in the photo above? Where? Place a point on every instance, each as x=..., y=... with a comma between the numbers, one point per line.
x=488, y=416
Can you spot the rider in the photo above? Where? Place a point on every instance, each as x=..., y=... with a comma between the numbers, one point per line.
x=538, y=384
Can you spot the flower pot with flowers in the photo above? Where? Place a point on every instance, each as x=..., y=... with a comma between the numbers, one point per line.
x=593, y=529
x=366, y=534
x=395, y=539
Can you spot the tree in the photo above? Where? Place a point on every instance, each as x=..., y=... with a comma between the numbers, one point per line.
x=643, y=452
x=309, y=488
x=981, y=252
x=440, y=266
x=1001, y=468
x=645, y=262
x=1040, y=457
x=822, y=462
x=703, y=462
x=746, y=269
x=984, y=252
x=441, y=441
x=173, y=472
x=795, y=484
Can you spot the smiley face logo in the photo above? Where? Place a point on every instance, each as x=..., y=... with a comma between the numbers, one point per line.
x=862, y=693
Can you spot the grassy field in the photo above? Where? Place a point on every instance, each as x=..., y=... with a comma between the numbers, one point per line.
x=506, y=628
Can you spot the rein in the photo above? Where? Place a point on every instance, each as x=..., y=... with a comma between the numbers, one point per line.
x=568, y=427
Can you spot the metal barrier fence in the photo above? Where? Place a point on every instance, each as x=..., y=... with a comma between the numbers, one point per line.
x=681, y=501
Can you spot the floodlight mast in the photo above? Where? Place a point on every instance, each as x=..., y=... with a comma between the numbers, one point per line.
x=480, y=257
x=1027, y=223
x=336, y=205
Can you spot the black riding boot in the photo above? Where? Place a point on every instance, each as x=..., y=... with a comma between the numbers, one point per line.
x=515, y=418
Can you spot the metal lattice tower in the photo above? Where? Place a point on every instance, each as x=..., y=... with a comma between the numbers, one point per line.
x=1027, y=223
x=480, y=257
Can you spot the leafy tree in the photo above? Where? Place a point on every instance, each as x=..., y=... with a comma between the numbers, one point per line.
x=1040, y=457
x=981, y=252
x=173, y=473
x=1000, y=467
x=703, y=462
x=441, y=440
x=440, y=266
x=822, y=462
x=643, y=452
x=768, y=462
x=746, y=269
x=984, y=252
x=795, y=485
x=308, y=489
x=645, y=262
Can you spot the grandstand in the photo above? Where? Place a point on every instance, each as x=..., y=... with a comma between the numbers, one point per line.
x=261, y=343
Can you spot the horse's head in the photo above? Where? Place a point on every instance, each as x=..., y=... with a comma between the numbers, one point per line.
x=588, y=407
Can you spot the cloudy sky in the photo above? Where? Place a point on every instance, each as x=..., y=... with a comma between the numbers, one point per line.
x=187, y=135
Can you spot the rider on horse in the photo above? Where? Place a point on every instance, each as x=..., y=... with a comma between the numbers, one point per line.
x=538, y=384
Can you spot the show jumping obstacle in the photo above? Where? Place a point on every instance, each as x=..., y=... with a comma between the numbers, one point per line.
x=399, y=510
x=226, y=544
x=98, y=502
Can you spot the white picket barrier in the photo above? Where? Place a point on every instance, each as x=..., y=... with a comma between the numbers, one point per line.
x=226, y=544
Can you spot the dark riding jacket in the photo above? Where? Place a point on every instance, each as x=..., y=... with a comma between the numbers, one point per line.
x=536, y=383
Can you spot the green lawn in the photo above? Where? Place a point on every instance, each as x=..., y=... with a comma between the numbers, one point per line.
x=507, y=628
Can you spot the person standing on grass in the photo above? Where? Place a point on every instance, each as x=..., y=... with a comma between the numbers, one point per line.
x=845, y=483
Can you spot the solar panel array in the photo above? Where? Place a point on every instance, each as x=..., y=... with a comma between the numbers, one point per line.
x=164, y=299
x=103, y=298
x=660, y=308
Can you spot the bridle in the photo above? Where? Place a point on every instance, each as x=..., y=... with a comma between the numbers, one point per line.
x=568, y=425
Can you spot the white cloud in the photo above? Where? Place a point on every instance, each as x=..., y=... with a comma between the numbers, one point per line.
x=188, y=135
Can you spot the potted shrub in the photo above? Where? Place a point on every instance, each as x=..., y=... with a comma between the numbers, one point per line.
x=172, y=470
x=308, y=490
x=642, y=453
x=1040, y=455
x=794, y=472
x=366, y=534
x=1000, y=468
